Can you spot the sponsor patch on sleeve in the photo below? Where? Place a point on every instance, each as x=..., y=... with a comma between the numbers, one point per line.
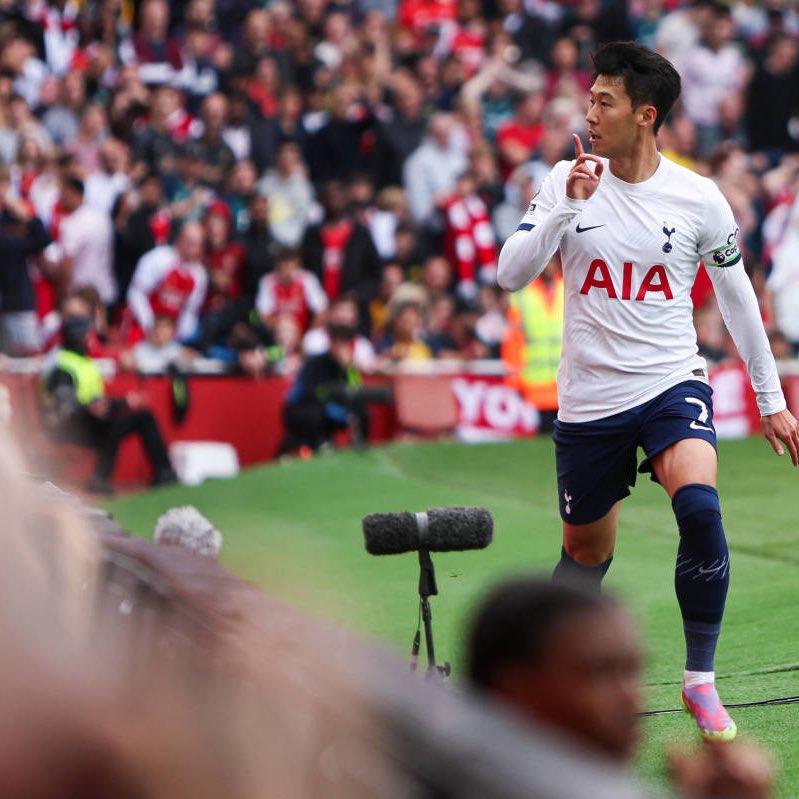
x=728, y=254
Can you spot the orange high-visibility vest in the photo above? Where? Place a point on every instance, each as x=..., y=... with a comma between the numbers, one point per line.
x=531, y=349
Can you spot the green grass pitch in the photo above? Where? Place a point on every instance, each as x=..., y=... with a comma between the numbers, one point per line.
x=294, y=528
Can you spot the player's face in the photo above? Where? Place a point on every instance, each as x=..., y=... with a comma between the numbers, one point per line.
x=612, y=121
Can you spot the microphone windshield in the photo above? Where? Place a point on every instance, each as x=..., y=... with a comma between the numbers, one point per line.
x=437, y=530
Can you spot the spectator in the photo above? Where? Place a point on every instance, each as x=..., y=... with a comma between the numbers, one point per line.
x=469, y=241
x=404, y=337
x=189, y=196
x=772, y=101
x=169, y=281
x=19, y=60
x=159, y=352
x=393, y=277
x=92, y=131
x=438, y=331
x=199, y=76
x=401, y=133
x=389, y=212
x=258, y=244
x=431, y=172
x=290, y=290
x=263, y=86
x=20, y=123
x=249, y=136
x=225, y=259
x=104, y=186
x=340, y=252
x=342, y=312
x=565, y=77
x=78, y=410
x=679, y=140
x=83, y=254
x=63, y=99
x=571, y=660
x=141, y=222
x=22, y=235
x=240, y=188
x=532, y=343
x=325, y=397
x=711, y=69
x=155, y=52
x=338, y=149
x=519, y=191
x=217, y=158
x=518, y=137
x=783, y=282
x=158, y=136
x=290, y=195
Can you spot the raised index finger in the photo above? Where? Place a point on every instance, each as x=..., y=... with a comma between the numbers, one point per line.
x=578, y=145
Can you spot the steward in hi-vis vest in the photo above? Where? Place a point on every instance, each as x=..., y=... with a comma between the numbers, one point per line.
x=532, y=344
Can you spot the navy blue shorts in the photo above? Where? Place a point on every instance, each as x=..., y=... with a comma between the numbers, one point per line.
x=596, y=461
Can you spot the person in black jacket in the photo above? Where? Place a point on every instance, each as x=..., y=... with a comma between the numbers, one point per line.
x=341, y=253
x=21, y=236
x=326, y=397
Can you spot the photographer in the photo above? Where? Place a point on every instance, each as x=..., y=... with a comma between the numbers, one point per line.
x=21, y=236
x=326, y=397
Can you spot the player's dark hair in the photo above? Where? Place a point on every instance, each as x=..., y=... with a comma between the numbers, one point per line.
x=513, y=623
x=648, y=77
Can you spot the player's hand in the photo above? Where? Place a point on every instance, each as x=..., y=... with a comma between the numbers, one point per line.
x=782, y=427
x=583, y=180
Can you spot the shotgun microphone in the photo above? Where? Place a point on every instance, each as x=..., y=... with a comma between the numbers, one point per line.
x=436, y=530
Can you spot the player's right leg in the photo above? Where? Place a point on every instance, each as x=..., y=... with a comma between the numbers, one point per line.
x=587, y=550
x=596, y=467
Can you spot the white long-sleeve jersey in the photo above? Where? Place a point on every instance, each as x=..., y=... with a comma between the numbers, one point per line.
x=630, y=255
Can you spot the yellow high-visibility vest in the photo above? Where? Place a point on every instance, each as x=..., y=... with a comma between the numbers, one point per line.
x=532, y=350
x=89, y=384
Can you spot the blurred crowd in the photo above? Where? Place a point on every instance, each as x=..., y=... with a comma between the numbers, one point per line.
x=212, y=178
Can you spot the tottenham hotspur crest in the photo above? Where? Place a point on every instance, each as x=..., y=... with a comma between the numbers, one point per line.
x=667, y=246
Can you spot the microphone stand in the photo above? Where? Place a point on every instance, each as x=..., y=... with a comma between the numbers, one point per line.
x=427, y=588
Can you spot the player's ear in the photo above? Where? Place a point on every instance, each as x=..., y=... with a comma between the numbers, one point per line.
x=647, y=114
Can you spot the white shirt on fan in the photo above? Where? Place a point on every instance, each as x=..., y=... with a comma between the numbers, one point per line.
x=630, y=254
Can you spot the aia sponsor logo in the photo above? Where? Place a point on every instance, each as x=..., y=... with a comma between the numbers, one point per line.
x=655, y=281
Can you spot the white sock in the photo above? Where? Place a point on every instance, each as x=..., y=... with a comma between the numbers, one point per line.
x=693, y=678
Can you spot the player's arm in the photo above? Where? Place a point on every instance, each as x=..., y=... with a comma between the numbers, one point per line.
x=526, y=253
x=741, y=312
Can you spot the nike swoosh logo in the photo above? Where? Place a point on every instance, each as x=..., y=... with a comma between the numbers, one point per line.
x=584, y=229
x=697, y=426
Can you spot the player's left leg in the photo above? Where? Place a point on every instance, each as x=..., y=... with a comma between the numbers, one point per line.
x=687, y=471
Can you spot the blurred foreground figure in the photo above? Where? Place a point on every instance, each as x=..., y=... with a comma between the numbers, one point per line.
x=566, y=657
x=144, y=670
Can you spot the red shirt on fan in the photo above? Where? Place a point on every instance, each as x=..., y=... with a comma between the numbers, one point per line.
x=290, y=291
x=469, y=242
x=528, y=136
x=421, y=16
x=334, y=241
x=225, y=275
x=163, y=285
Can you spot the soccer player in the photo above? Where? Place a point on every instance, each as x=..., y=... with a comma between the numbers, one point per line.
x=631, y=227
